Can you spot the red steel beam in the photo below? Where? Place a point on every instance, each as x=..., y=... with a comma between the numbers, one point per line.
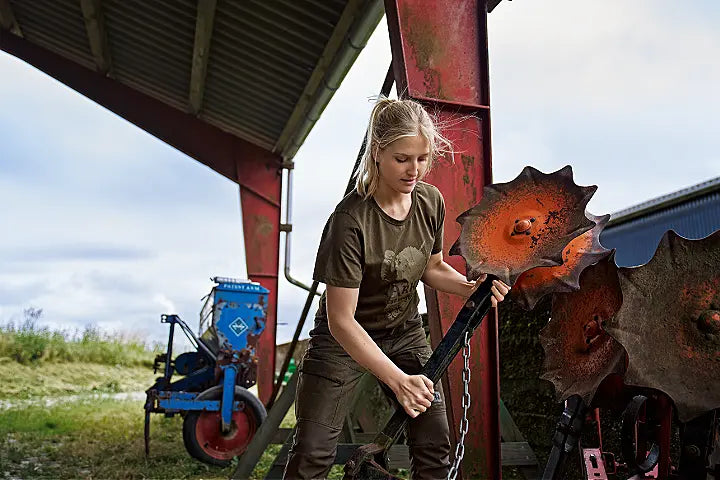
x=256, y=170
x=440, y=57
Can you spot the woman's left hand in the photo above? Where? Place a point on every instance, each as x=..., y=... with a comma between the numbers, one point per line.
x=499, y=289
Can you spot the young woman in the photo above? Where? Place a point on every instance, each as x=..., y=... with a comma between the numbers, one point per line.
x=381, y=240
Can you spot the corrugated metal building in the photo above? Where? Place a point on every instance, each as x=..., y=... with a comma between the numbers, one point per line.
x=636, y=231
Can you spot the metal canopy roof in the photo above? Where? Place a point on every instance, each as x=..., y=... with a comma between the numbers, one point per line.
x=261, y=71
x=665, y=202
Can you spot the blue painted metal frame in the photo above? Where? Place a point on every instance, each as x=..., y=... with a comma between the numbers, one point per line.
x=177, y=404
x=228, y=395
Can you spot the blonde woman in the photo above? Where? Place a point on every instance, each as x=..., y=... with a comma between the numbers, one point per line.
x=381, y=240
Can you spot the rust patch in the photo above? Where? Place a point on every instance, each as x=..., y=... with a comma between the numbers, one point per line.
x=583, y=251
x=263, y=225
x=468, y=162
x=552, y=203
x=579, y=354
x=426, y=46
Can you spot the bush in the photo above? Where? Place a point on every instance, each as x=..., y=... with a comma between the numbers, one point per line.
x=30, y=343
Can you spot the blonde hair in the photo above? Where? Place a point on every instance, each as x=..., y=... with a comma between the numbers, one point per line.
x=389, y=121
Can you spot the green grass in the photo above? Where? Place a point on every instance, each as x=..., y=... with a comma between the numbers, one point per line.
x=29, y=343
x=100, y=439
x=21, y=382
x=104, y=439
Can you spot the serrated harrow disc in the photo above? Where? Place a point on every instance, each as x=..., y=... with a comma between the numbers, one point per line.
x=583, y=251
x=669, y=323
x=579, y=354
x=523, y=224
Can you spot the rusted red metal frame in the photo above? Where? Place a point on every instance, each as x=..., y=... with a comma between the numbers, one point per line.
x=256, y=170
x=440, y=57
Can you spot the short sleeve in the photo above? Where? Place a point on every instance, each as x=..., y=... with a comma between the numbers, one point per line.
x=440, y=216
x=339, y=261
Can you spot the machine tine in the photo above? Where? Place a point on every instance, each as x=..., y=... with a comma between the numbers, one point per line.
x=147, y=433
x=565, y=439
x=631, y=441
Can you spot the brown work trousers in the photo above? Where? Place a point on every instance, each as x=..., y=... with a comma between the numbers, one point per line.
x=328, y=377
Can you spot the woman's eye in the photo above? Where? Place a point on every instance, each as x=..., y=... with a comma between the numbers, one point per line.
x=401, y=159
x=422, y=159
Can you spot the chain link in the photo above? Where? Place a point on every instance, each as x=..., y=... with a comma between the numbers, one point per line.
x=464, y=424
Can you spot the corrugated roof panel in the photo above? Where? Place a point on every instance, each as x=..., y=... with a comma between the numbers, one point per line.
x=267, y=32
x=262, y=56
x=224, y=62
x=263, y=117
x=273, y=115
x=259, y=63
x=246, y=131
x=312, y=31
x=308, y=15
x=239, y=80
x=636, y=240
x=248, y=124
x=154, y=91
x=151, y=46
x=56, y=25
x=667, y=200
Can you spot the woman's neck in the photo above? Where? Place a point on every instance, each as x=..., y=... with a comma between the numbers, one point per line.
x=395, y=204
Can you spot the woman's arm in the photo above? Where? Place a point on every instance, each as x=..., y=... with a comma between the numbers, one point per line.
x=441, y=276
x=414, y=392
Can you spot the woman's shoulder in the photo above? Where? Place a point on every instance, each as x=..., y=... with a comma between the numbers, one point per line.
x=428, y=191
x=351, y=204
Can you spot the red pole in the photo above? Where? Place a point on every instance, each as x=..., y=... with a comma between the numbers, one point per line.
x=260, y=196
x=440, y=58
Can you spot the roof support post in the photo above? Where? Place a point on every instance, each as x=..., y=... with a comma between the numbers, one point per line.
x=262, y=183
x=201, y=52
x=7, y=18
x=440, y=58
x=95, y=26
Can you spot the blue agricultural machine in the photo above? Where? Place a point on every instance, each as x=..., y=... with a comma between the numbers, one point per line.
x=220, y=414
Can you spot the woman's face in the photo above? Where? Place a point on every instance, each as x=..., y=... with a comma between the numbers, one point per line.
x=403, y=163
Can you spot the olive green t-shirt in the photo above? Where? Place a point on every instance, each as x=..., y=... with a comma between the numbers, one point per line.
x=363, y=247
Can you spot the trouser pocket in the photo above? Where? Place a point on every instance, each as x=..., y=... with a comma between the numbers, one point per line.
x=324, y=388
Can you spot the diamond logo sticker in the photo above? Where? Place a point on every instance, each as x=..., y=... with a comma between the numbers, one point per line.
x=238, y=326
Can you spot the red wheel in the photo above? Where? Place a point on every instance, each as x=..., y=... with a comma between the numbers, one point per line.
x=202, y=432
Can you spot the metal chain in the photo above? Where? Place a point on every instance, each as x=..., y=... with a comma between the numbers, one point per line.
x=464, y=424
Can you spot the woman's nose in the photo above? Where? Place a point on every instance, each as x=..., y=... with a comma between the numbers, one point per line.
x=413, y=167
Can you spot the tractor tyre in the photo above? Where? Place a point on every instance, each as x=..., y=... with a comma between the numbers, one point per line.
x=202, y=431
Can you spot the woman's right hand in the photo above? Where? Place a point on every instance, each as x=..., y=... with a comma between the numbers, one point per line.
x=414, y=393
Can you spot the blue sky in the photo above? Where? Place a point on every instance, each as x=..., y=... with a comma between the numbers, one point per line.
x=104, y=224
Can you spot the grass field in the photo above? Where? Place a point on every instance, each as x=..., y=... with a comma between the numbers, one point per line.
x=60, y=379
x=98, y=439
x=54, y=423
x=103, y=439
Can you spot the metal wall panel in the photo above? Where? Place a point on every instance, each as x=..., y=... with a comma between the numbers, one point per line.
x=637, y=239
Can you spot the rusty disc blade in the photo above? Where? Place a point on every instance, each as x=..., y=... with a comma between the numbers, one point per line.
x=579, y=354
x=523, y=224
x=583, y=251
x=669, y=322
